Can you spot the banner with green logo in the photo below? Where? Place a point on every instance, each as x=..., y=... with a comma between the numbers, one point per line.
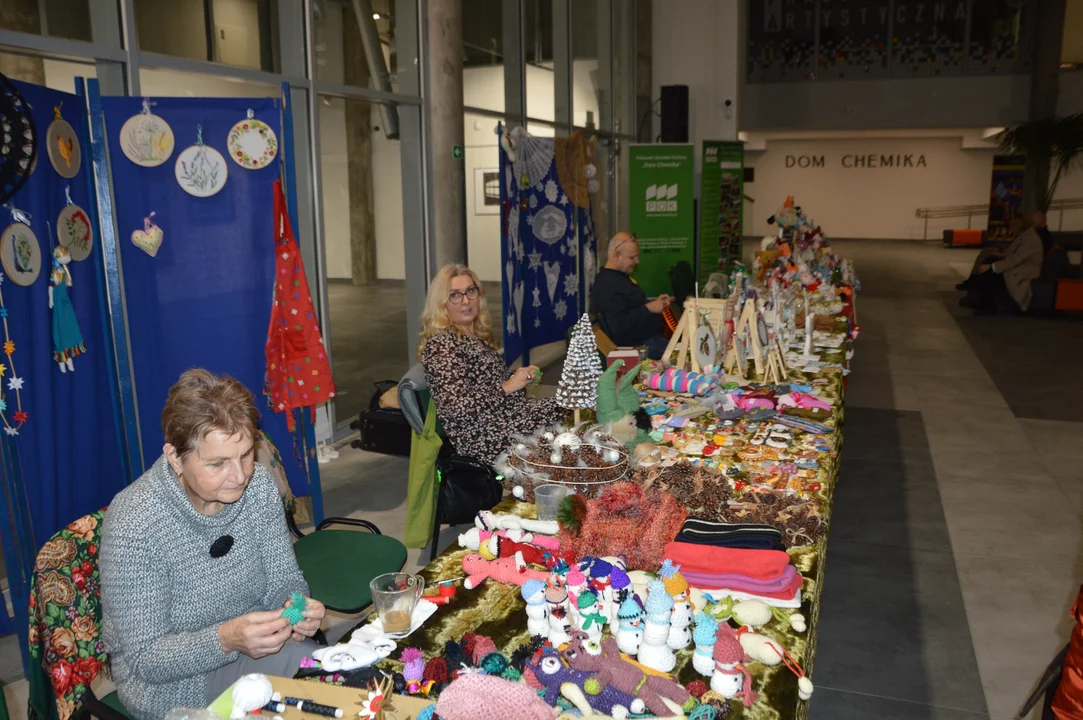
x=721, y=206
x=661, y=181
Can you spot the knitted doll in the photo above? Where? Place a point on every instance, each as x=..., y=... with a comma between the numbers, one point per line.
x=630, y=626
x=654, y=652
x=488, y=520
x=621, y=588
x=612, y=670
x=591, y=619
x=537, y=619
x=556, y=598
x=577, y=585
x=703, y=657
x=677, y=587
x=598, y=574
x=486, y=697
x=731, y=678
x=473, y=538
x=552, y=675
x=501, y=547
x=413, y=670
x=511, y=570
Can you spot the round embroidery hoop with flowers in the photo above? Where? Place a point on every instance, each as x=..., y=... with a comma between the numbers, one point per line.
x=252, y=143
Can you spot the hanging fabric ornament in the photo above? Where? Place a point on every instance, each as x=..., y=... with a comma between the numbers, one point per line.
x=252, y=143
x=149, y=239
x=12, y=421
x=73, y=229
x=20, y=253
x=67, y=339
x=146, y=139
x=63, y=146
x=201, y=170
x=18, y=141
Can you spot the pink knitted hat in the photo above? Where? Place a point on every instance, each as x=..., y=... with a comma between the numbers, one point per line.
x=487, y=697
x=729, y=652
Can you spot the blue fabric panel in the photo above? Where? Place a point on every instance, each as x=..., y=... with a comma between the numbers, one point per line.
x=205, y=299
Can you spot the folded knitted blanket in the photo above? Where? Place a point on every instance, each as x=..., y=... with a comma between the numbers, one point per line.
x=750, y=536
x=736, y=581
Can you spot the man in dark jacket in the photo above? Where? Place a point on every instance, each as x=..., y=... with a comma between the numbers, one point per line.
x=628, y=318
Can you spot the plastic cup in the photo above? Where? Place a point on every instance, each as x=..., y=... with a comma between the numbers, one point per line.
x=547, y=499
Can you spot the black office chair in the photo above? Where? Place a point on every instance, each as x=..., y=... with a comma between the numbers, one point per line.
x=683, y=281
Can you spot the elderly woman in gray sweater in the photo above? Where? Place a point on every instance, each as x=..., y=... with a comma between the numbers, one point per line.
x=196, y=560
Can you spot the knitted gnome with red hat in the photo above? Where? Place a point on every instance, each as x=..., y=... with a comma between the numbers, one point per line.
x=731, y=678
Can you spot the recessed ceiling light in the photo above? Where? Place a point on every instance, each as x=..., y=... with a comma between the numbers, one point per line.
x=375, y=16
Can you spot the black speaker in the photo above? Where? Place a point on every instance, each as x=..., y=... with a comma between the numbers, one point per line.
x=675, y=113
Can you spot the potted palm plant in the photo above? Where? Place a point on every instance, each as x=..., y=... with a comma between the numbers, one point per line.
x=1052, y=144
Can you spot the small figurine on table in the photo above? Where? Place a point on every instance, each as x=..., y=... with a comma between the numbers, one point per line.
x=67, y=340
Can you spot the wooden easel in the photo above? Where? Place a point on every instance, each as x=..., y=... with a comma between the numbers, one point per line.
x=776, y=373
x=684, y=337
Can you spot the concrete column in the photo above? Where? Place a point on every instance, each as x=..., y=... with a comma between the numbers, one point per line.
x=643, y=131
x=562, y=64
x=359, y=158
x=514, y=63
x=444, y=111
x=22, y=16
x=1044, y=88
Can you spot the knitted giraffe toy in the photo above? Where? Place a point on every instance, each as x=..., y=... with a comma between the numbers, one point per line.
x=510, y=571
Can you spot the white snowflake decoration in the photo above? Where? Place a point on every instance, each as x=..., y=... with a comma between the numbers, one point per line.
x=563, y=199
x=511, y=323
x=563, y=250
x=573, y=250
x=551, y=191
x=560, y=309
x=571, y=284
x=535, y=260
x=537, y=322
x=533, y=202
x=520, y=251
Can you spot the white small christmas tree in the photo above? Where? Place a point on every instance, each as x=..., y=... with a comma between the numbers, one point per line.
x=579, y=380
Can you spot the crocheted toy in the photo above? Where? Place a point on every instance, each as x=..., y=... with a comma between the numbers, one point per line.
x=576, y=583
x=488, y=520
x=357, y=653
x=485, y=697
x=753, y=613
x=610, y=669
x=704, y=636
x=501, y=547
x=556, y=598
x=731, y=678
x=551, y=673
x=680, y=381
x=414, y=671
x=473, y=538
x=295, y=609
x=630, y=626
x=512, y=570
x=681, y=618
x=623, y=518
x=654, y=651
x=250, y=693
x=618, y=403
x=591, y=619
x=537, y=619
x=620, y=586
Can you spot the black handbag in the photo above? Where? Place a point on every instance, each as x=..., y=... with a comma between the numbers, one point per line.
x=383, y=430
x=466, y=487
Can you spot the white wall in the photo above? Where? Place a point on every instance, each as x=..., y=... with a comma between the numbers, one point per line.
x=696, y=43
x=865, y=202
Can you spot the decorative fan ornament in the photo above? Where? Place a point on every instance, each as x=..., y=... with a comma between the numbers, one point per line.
x=18, y=140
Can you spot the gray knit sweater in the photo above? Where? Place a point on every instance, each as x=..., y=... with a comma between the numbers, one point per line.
x=164, y=596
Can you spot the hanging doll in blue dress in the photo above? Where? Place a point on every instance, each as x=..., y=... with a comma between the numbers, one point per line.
x=67, y=340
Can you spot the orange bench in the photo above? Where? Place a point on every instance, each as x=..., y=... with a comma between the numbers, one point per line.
x=964, y=238
x=1069, y=294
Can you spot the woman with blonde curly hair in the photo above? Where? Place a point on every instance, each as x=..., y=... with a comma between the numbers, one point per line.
x=479, y=401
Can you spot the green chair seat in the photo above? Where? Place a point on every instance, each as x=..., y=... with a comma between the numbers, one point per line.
x=112, y=700
x=339, y=564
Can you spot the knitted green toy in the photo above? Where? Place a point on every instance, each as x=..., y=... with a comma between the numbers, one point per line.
x=618, y=402
x=294, y=609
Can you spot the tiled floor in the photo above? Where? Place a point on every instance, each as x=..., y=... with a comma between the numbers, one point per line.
x=955, y=549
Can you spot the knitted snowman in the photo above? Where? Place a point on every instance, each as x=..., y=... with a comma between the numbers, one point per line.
x=556, y=598
x=630, y=625
x=577, y=585
x=598, y=574
x=731, y=678
x=680, y=636
x=620, y=586
x=537, y=617
x=654, y=652
x=703, y=657
x=591, y=619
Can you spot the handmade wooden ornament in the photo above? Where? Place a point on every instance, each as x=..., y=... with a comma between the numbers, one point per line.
x=146, y=139
x=74, y=231
x=201, y=170
x=706, y=346
x=20, y=252
x=62, y=143
x=252, y=143
x=149, y=239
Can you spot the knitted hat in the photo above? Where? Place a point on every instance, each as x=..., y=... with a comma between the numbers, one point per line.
x=586, y=600
x=706, y=629
x=671, y=576
x=556, y=594
x=618, y=579
x=596, y=567
x=576, y=578
x=659, y=600
x=531, y=588
x=630, y=609
x=486, y=697
x=728, y=651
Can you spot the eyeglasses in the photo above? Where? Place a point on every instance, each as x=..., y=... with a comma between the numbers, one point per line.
x=631, y=238
x=456, y=297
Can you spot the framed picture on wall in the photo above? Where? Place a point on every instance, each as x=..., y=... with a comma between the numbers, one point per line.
x=486, y=191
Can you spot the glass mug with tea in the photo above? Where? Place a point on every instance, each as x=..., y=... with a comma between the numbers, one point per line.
x=394, y=595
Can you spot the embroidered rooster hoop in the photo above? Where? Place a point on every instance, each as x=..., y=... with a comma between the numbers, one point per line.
x=13, y=421
x=63, y=146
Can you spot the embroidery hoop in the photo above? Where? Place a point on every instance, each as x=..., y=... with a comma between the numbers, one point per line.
x=61, y=131
x=7, y=238
x=146, y=139
x=71, y=212
x=198, y=165
x=252, y=143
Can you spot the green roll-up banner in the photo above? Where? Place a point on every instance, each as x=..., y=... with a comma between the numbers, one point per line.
x=721, y=206
x=661, y=180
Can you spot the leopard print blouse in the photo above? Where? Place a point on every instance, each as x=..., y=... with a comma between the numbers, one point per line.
x=465, y=377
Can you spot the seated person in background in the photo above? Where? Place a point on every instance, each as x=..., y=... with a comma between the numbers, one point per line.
x=196, y=561
x=629, y=318
x=479, y=401
x=1007, y=274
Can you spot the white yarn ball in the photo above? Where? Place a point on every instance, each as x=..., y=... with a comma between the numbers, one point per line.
x=518, y=492
x=804, y=688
